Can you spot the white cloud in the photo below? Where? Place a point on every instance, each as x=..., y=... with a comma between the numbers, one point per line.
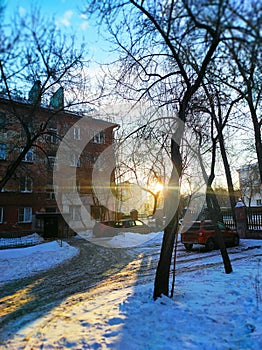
x=83, y=16
x=84, y=25
x=21, y=10
x=65, y=19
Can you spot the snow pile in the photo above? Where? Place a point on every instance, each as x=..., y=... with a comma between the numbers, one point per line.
x=121, y=240
x=130, y=239
x=22, y=262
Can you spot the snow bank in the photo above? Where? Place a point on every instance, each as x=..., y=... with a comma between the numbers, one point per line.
x=21, y=262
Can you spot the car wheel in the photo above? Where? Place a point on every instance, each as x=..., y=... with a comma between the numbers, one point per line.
x=236, y=240
x=188, y=246
x=210, y=244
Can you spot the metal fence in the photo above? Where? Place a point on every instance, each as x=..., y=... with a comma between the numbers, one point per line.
x=228, y=218
x=254, y=220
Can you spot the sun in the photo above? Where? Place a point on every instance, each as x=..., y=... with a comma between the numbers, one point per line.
x=159, y=187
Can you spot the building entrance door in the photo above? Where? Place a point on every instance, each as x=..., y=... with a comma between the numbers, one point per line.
x=50, y=227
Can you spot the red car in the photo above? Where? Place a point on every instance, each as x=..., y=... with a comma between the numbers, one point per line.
x=203, y=232
x=111, y=228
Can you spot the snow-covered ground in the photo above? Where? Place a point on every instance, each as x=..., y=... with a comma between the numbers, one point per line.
x=21, y=262
x=209, y=310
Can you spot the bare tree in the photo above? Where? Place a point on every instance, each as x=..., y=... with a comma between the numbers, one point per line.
x=222, y=112
x=156, y=41
x=245, y=67
x=37, y=54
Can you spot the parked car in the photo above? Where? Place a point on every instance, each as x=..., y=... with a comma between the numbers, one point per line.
x=111, y=228
x=203, y=232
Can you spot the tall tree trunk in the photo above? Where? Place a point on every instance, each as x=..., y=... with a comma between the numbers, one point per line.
x=212, y=203
x=258, y=144
x=213, y=207
x=228, y=173
x=214, y=215
x=161, y=285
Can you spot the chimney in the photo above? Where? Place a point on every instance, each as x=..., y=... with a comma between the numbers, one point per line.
x=34, y=95
x=57, y=100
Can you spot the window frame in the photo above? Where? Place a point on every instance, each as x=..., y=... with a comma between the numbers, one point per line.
x=75, y=161
x=53, y=135
x=27, y=155
x=99, y=137
x=52, y=163
x=50, y=195
x=75, y=212
x=24, y=214
x=28, y=183
x=76, y=133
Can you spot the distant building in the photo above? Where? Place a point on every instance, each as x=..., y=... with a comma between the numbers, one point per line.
x=131, y=197
x=250, y=185
x=30, y=195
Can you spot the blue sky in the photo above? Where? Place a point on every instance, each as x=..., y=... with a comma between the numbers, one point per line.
x=68, y=18
x=66, y=12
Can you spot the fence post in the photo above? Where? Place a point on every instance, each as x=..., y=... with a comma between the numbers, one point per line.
x=241, y=219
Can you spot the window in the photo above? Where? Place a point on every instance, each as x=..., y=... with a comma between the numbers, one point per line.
x=75, y=212
x=1, y=215
x=25, y=214
x=51, y=163
x=2, y=151
x=259, y=202
x=50, y=191
x=74, y=160
x=99, y=137
x=50, y=195
x=29, y=157
x=77, y=133
x=53, y=135
x=26, y=184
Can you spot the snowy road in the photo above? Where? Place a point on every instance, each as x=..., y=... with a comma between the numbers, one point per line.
x=94, y=273
x=29, y=298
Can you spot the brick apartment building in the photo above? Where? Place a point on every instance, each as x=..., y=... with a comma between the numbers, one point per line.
x=27, y=202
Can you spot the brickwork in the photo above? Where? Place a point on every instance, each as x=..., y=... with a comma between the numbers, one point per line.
x=30, y=190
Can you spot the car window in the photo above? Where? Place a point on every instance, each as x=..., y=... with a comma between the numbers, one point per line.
x=132, y=223
x=118, y=224
x=127, y=223
x=139, y=223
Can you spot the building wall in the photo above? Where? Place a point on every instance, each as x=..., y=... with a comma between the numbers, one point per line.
x=30, y=190
x=250, y=185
